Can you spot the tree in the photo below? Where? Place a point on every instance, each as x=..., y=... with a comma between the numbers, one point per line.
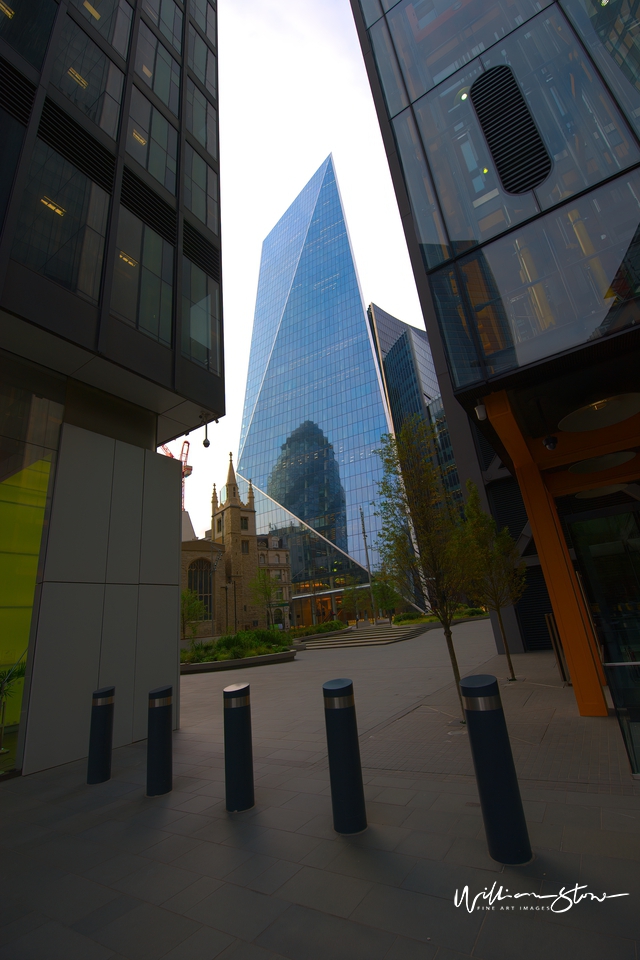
x=497, y=572
x=263, y=590
x=350, y=598
x=385, y=595
x=7, y=680
x=419, y=542
x=192, y=609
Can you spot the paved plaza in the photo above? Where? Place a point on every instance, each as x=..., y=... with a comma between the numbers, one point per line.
x=102, y=872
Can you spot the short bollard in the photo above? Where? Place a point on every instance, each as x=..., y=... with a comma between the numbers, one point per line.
x=238, y=752
x=101, y=735
x=159, y=742
x=345, y=772
x=504, y=822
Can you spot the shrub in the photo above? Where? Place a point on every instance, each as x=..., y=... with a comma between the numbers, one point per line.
x=317, y=628
x=410, y=615
x=237, y=646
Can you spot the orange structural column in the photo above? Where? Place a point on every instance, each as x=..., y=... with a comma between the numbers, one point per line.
x=571, y=615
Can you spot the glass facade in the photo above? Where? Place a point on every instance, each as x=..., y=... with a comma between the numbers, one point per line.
x=142, y=291
x=201, y=333
x=314, y=408
x=88, y=78
x=204, y=15
x=201, y=119
x=200, y=188
x=152, y=141
x=26, y=26
x=167, y=16
x=111, y=18
x=62, y=224
x=202, y=60
x=156, y=67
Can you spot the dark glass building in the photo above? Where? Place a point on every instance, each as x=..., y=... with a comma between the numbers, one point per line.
x=314, y=405
x=512, y=132
x=110, y=344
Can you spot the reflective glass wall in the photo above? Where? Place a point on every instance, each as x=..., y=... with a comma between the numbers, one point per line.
x=518, y=276
x=314, y=406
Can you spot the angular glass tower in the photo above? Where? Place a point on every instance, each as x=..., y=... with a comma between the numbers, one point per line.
x=314, y=407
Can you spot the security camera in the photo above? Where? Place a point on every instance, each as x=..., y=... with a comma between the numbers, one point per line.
x=550, y=442
x=206, y=442
x=481, y=411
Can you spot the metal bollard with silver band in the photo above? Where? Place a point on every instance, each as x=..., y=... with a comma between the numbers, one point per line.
x=101, y=735
x=345, y=772
x=238, y=751
x=504, y=822
x=159, y=742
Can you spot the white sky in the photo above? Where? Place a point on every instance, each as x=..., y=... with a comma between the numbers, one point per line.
x=293, y=88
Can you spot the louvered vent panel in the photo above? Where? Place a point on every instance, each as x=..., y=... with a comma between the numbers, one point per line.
x=16, y=93
x=197, y=249
x=517, y=149
x=137, y=197
x=76, y=145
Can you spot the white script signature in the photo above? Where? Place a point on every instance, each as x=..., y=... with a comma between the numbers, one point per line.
x=562, y=901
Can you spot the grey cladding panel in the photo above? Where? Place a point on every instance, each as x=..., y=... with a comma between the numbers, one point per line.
x=161, y=520
x=157, y=649
x=118, y=654
x=123, y=558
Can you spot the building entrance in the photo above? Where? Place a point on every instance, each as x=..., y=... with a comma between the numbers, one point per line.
x=607, y=545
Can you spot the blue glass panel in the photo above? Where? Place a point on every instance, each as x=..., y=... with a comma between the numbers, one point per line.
x=390, y=76
x=314, y=407
x=371, y=11
x=455, y=328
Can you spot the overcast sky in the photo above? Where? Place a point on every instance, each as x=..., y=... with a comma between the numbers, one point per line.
x=293, y=89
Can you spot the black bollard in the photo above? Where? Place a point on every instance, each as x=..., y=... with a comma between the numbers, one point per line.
x=238, y=752
x=159, y=742
x=504, y=822
x=101, y=735
x=345, y=772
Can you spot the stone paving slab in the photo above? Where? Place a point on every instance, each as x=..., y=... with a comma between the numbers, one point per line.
x=104, y=872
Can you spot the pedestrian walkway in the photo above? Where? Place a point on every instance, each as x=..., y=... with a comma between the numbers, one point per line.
x=103, y=873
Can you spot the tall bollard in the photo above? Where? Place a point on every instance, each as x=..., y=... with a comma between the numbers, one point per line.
x=504, y=822
x=238, y=752
x=345, y=772
x=159, y=742
x=101, y=735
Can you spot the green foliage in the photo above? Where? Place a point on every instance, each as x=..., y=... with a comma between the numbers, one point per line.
x=192, y=611
x=385, y=595
x=353, y=600
x=408, y=616
x=237, y=646
x=328, y=627
x=263, y=591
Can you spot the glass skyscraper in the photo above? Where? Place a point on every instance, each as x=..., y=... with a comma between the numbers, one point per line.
x=314, y=408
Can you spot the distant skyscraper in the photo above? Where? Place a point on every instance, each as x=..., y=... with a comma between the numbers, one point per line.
x=314, y=407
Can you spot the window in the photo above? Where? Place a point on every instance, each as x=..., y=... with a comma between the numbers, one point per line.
x=156, y=67
x=167, y=16
x=111, y=18
x=244, y=523
x=62, y=224
x=199, y=580
x=219, y=526
x=88, y=78
x=200, y=188
x=202, y=60
x=201, y=119
x=201, y=335
x=245, y=546
x=152, y=141
x=262, y=558
x=277, y=559
x=204, y=15
x=390, y=76
x=26, y=26
x=11, y=137
x=142, y=290
x=370, y=10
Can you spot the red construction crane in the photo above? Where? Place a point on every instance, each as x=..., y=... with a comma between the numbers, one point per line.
x=184, y=456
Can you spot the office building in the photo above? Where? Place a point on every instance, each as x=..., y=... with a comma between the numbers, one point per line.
x=314, y=406
x=110, y=344
x=513, y=140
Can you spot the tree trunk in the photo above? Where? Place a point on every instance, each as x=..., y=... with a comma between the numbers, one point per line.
x=504, y=641
x=454, y=664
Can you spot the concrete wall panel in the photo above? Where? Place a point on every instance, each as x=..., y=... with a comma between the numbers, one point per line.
x=123, y=558
x=118, y=654
x=157, y=649
x=161, y=520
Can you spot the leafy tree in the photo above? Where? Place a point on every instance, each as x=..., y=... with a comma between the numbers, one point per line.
x=419, y=542
x=497, y=573
x=8, y=678
x=192, y=610
x=385, y=595
x=263, y=592
x=350, y=599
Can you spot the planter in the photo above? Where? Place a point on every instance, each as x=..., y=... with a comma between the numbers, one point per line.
x=213, y=665
x=323, y=636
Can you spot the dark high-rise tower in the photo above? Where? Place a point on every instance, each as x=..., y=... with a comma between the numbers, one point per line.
x=110, y=344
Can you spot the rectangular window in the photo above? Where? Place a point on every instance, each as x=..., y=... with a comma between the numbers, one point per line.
x=204, y=15
x=202, y=60
x=371, y=11
x=245, y=546
x=62, y=224
x=88, y=78
x=142, y=291
x=167, y=16
x=156, y=67
x=200, y=189
x=201, y=332
x=111, y=18
x=11, y=137
x=26, y=26
x=390, y=76
x=219, y=526
x=244, y=523
x=152, y=141
x=201, y=119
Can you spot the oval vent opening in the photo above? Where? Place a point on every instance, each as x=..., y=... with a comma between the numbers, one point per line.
x=517, y=149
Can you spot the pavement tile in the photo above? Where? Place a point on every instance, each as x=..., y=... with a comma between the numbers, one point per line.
x=123, y=834
x=147, y=932
x=184, y=900
x=438, y=879
x=237, y=911
x=204, y=944
x=388, y=813
x=472, y=853
x=189, y=824
x=605, y=843
x=536, y=938
x=431, y=821
x=212, y=859
x=273, y=877
x=321, y=890
x=395, y=795
x=282, y=818
x=621, y=821
x=609, y=874
x=156, y=882
x=618, y=915
x=54, y=941
x=379, y=866
x=19, y=926
x=545, y=835
x=248, y=951
x=71, y=897
x=304, y=934
x=405, y=949
x=576, y=814
x=549, y=865
x=114, y=869
x=430, y=845
x=281, y=844
x=174, y=846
